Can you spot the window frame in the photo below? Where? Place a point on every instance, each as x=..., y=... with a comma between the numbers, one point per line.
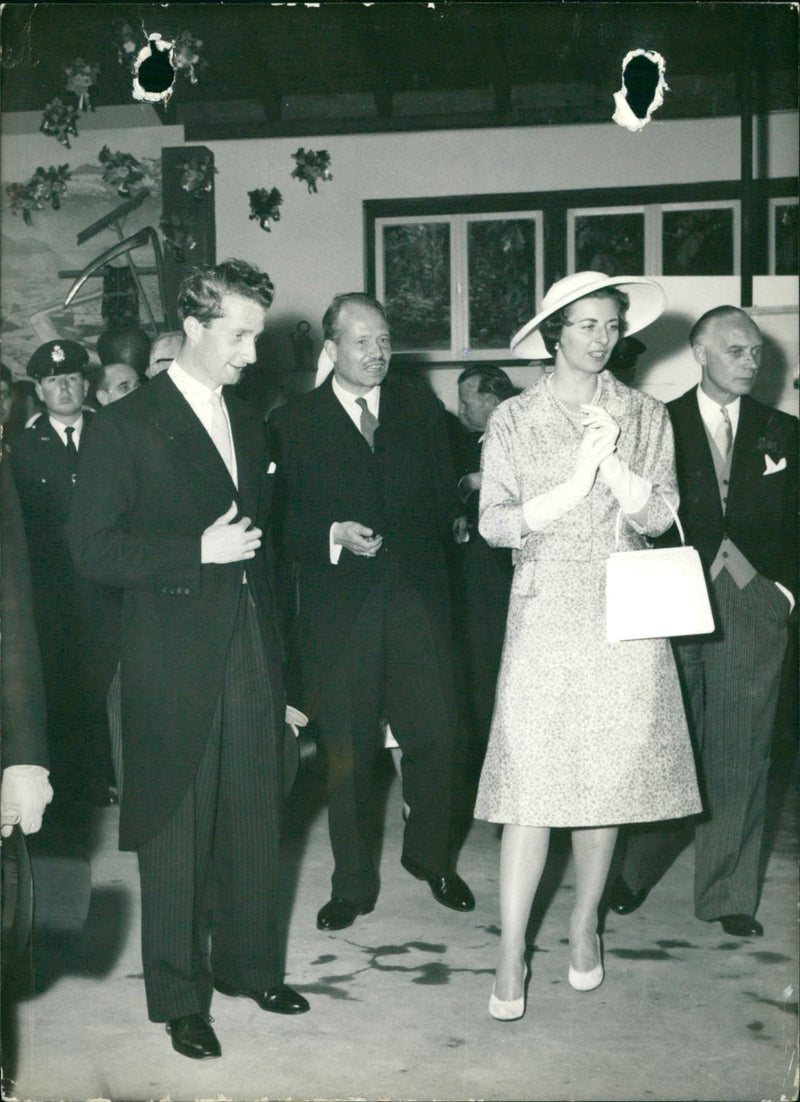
x=555, y=206
x=459, y=350
x=773, y=203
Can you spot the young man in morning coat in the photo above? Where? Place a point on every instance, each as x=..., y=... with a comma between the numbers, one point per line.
x=170, y=504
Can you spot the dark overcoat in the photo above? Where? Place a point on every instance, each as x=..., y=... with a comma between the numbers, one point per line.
x=404, y=491
x=150, y=482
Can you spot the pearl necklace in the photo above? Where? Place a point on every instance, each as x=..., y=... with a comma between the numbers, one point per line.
x=577, y=418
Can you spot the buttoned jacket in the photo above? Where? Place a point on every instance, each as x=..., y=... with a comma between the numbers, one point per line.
x=150, y=482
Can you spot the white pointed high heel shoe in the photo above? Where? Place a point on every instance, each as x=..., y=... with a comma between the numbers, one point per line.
x=508, y=1010
x=587, y=981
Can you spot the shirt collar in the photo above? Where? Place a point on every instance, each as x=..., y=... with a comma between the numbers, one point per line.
x=349, y=400
x=195, y=392
x=61, y=429
x=710, y=411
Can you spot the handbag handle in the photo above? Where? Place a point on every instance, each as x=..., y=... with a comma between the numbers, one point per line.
x=668, y=504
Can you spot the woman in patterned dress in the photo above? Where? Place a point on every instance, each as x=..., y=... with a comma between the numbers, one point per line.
x=586, y=733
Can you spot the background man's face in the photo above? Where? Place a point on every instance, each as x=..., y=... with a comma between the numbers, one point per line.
x=729, y=353
x=362, y=349
x=5, y=401
x=118, y=380
x=163, y=351
x=63, y=395
x=474, y=408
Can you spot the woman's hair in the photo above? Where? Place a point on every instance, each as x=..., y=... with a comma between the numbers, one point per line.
x=200, y=294
x=551, y=327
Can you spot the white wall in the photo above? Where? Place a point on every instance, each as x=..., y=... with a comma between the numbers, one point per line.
x=316, y=250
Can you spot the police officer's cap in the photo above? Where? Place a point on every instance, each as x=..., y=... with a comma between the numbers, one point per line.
x=57, y=358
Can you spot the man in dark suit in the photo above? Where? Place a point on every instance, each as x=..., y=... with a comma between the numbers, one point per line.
x=25, y=789
x=45, y=462
x=167, y=487
x=737, y=474
x=366, y=483
x=485, y=571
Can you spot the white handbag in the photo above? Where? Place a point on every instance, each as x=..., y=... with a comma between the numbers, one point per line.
x=657, y=592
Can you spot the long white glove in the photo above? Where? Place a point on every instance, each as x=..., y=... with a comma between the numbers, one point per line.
x=631, y=490
x=24, y=794
x=596, y=445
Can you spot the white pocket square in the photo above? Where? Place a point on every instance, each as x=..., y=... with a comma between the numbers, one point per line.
x=771, y=467
x=272, y=467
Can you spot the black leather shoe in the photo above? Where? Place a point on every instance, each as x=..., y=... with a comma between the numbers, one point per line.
x=741, y=926
x=338, y=914
x=280, y=999
x=624, y=900
x=449, y=890
x=193, y=1036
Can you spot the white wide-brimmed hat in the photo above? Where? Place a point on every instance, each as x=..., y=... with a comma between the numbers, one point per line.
x=647, y=301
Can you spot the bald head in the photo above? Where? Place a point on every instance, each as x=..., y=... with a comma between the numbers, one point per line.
x=727, y=345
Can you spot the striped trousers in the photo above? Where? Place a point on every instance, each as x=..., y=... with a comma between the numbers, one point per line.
x=731, y=681
x=209, y=879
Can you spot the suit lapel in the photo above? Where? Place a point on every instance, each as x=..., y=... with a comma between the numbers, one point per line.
x=696, y=472
x=246, y=450
x=338, y=419
x=747, y=462
x=177, y=420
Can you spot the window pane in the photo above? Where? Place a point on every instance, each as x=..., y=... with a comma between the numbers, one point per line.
x=502, y=279
x=697, y=242
x=416, y=259
x=786, y=239
x=610, y=243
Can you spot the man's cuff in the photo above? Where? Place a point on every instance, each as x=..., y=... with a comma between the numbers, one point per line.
x=335, y=549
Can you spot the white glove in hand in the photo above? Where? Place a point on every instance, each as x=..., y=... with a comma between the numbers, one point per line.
x=631, y=490
x=24, y=794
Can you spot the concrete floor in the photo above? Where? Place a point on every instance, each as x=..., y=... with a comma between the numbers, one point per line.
x=399, y=1001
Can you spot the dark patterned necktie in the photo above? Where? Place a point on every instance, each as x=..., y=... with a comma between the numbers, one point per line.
x=72, y=451
x=368, y=422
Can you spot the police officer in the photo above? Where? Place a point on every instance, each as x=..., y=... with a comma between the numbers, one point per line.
x=45, y=463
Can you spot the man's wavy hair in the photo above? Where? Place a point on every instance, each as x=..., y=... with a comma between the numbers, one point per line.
x=551, y=327
x=200, y=295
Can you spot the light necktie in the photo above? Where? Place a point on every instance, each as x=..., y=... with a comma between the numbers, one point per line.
x=72, y=450
x=218, y=430
x=368, y=422
x=724, y=434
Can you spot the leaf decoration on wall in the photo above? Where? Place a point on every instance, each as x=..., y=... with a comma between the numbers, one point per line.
x=120, y=170
x=59, y=121
x=47, y=185
x=178, y=237
x=197, y=177
x=81, y=78
x=265, y=206
x=311, y=166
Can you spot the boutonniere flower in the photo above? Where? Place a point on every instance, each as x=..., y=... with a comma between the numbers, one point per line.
x=771, y=467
